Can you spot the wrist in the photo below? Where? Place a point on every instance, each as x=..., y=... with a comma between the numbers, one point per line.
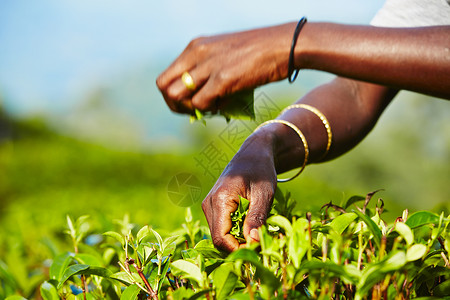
x=263, y=141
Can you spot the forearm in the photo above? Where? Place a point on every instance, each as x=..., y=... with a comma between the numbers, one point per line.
x=416, y=59
x=351, y=108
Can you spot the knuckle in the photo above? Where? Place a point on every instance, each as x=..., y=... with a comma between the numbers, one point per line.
x=202, y=105
x=257, y=218
x=160, y=82
x=197, y=43
x=172, y=93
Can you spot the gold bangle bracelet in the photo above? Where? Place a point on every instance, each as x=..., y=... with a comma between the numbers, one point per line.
x=302, y=137
x=321, y=117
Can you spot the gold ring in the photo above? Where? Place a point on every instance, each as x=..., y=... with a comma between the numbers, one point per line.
x=188, y=81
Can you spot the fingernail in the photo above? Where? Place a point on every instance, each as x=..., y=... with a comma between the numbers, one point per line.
x=254, y=234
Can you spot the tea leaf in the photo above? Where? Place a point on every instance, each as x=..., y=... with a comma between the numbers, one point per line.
x=330, y=269
x=416, y=252
x=405, y=232
x=268, y=279
x=206, y=248
x=187, y=270
x=116, y=236
x=97, y=271
x=124, y=277
x=341, y=222
x=130, y=293
x=372, y=227
x=59, y=265
x=70, y=271
x=224, y=280
x=159, y=239
x=88, y=259
x=239, y=106
x=142, y=233
x=282, y=222
x=442, y=289
x=16, y=297
x=48, y=291
x=352, y=200
x=421, y=218
x=237, y=219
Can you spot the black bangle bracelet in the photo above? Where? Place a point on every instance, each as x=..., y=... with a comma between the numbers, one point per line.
x=291, y=68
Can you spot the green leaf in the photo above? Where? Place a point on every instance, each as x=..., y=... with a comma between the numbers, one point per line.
x=330, y=269
x=130, y=293
x=243, y=204
x=125, y=278
x=237, y=219
x=70, y=225
x=416, y=252
x=377, y=271
x=200, y=294
x=282, y=222
x=442, y=289
x=341, y=222
x=146, y=252
x=70, y=271
x=182, y=293
x=88, y=259
x=298, y=244
x=59, y=265
x=372, y=227
x=421, y=218
x=187, y=270
x=406, y=232
x=159, y=239
x=164, y=271
x=97, y=271
x=15, y=297
x=224, y=280
x=117, y=236
x=142, y=233
x=268, y=280
x=206, y=248
x=48, y=291
x=240, y=105
x=352, y=200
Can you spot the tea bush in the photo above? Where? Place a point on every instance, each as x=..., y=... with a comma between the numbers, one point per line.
x=341, y=252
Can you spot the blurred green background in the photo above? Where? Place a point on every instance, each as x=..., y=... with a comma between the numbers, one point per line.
x=83, y=130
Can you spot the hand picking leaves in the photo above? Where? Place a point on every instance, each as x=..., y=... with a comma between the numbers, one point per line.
x=237, y=219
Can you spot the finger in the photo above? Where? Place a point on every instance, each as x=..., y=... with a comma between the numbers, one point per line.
x=178, y=90
x=174, y=71
x=261, y=199
x=220, y=235
x=208, y=97
x=187, y=60
x=219, y=221
x=183, y=106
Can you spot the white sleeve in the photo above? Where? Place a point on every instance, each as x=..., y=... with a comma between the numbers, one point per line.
x=413, y=13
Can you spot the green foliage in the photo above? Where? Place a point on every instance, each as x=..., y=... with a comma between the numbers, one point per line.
x=334, y=251
x=237, y=106
x=237, y=219
x=337, y=253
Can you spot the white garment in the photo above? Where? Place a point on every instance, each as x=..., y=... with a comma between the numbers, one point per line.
x=413, y=13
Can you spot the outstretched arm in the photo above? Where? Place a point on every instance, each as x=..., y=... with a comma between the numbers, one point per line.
x=352, y=109
x=416, y=59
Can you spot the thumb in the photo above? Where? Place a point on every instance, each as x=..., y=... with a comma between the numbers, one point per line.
x=260, y=204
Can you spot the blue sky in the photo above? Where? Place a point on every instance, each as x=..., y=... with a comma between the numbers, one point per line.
x=53, y=51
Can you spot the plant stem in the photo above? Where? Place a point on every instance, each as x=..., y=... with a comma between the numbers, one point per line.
x=84, y=288
x=147, y=284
